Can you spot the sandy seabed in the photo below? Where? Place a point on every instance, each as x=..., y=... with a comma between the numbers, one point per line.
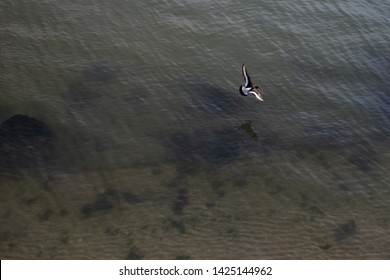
x=217, y=213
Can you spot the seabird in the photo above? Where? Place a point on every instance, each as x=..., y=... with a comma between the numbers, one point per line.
x=248, y=87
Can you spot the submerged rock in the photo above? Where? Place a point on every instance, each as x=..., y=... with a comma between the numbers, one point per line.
x=24, y=142
x=21, y=128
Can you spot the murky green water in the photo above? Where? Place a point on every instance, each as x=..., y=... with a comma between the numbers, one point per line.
x=153, y=153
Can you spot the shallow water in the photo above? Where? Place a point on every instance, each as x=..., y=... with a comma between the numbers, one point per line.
x=153, y=152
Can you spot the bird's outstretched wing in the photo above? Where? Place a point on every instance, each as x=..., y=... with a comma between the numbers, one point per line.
x=247, y=79
x=256, y=93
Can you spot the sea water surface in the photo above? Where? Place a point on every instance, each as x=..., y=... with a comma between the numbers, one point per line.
x=138, y=145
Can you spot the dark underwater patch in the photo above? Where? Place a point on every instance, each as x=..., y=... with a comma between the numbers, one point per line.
x=46, y=215
x=24, y=142
x=181, y=201
x=134, y=254
x=130, y=197
x=179, y=225
x=345, y=230
x=213, y=100
x=138, y=100
x=118, y=195
x=217, y=147
x=313, y=211
x=176, y=182
x=23, y=129
x=85, y=91
x=101, y=72
x=359, y=161
x=269, y=142
x=170, y=224
x=327, y=137
x=183, y=257
x=81, y=95
x=364, y=160
x=247, y=127
x=325, y=246
x=222, y=147
x=356, y=149
x=181, y=146
x=102, y=204
x=112, y=231
x=105, y=202
x=217, y=188
x=239, y=181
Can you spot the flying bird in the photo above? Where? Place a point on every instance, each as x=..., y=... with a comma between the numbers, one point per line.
x=248, y=87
